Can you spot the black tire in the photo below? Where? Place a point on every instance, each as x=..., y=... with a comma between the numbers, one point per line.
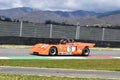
x=35, y=53
x=86, y=51
x=53, y=51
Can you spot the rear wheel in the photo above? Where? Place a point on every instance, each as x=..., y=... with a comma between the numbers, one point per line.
x=53, y=51
x=86, y=51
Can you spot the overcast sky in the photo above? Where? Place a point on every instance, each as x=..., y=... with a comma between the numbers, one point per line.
x=90, y=5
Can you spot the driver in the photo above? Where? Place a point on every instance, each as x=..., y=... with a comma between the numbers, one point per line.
x=64, y=41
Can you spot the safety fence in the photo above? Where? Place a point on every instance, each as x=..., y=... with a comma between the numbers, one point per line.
x=58, y=31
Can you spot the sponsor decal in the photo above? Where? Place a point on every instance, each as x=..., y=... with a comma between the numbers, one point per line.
x=61, y=47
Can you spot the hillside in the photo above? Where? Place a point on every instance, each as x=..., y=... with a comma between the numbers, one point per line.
x=71, y=17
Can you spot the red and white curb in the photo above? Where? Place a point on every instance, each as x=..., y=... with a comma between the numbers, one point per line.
x=58, y=57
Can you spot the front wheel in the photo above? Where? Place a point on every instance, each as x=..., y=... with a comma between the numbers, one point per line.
x=86, y=51
x=53, y=51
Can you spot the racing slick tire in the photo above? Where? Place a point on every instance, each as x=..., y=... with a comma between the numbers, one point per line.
x=53, y=51
x=86, y=51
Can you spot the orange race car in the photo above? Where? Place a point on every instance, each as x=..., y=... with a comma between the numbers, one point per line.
x=65, y=47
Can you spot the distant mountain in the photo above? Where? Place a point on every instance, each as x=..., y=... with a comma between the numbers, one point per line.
x=83, y=14
x=42, y=16
x=71, y=17
x=112, y=17
x=21, y=11
x=106, y=14
x=16, y=12
x=108, y=19
x=58, y=16
x=78, y=13
x=35, y=15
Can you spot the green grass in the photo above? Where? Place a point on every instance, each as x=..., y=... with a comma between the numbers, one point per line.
x=105, y=64
x=31, y=77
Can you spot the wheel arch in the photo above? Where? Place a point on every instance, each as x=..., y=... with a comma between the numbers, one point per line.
x=54, y=49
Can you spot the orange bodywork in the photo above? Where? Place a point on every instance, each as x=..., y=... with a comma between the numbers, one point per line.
x=75, y=48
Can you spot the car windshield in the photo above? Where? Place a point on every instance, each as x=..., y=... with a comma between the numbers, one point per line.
x=64, y=41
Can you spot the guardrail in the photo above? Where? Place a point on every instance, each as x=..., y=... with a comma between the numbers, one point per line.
x=32, y=41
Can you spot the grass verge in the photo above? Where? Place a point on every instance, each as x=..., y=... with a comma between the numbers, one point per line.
x=30, y=77
x=105, y=64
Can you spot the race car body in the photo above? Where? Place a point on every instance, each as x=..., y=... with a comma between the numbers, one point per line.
x=71, y=48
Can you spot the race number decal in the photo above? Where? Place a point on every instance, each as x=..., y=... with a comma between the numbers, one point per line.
x=71, y=49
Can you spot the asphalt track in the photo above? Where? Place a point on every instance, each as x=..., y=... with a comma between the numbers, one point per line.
x=61, y=72
x=19, y=53
x=24, y=53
